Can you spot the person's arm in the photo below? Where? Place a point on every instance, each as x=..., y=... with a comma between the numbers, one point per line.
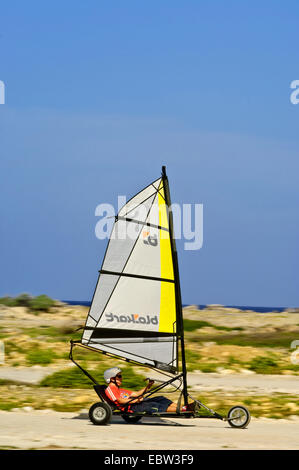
x=138, y=395
x=124, y=401
x=143, y=390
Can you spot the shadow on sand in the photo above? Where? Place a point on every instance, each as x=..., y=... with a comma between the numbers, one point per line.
x=146, y=421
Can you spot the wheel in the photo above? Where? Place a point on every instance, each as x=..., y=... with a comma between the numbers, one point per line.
x=131, y=419
x=100, y=413
x=238, y=417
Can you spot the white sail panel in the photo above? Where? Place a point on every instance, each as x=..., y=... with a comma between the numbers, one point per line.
x=139, y=199
x=151, y=353
x=135, y=304
x=104, y=289
x=123, y=237
x=136, y=289
x=145, y=259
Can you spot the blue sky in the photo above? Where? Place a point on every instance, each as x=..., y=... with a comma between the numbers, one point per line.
x=100, y=95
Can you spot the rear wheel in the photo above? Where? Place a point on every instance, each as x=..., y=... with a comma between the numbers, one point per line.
x=100, y=413
x=238, y=417
x=131, y=419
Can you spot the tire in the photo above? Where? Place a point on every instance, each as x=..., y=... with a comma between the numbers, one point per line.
x=100, y=413
x=131, y=419
x=238, y=417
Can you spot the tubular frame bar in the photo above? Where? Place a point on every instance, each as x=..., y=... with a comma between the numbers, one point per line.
x=159, y=387
x=183, y=414
x=78, y=365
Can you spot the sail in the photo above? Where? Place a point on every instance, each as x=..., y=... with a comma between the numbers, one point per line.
x=133, y=312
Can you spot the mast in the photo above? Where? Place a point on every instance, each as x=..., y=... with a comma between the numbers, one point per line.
x=180, y=325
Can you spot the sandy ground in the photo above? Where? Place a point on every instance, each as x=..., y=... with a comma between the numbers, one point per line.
x=38, y=429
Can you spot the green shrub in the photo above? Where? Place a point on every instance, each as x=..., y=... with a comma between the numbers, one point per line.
x=191, y=325
x=67, y=378
x=40, y=356
x=8, y=406
x=207, y=368
x=8, y=301
x=41, y=303
x=263, y=365
x=23, y=300
x=51, y=332
x=258, y=340
x=233, y=361
x=74, y=378
x=192, y=356
x=228, y=328
x=192, y=359
x=11, y=346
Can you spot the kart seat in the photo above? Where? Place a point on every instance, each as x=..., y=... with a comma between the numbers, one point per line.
x=100, y=390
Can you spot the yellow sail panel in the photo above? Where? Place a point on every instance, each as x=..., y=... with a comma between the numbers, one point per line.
x=167, y=296
x=165, y=245
x=167, y=308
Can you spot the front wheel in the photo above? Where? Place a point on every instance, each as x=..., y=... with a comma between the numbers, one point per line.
x=238, y=417
x=100, y=413
x=131, y=419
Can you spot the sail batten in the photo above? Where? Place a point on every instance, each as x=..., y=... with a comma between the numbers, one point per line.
x=161, y=279
x=143, y=223
x=133, y=312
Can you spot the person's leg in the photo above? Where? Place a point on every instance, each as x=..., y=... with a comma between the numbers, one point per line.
x=145, y=406
x=160, y=404
x=172, y=408
x=151, y=405
x=164, y=404
x=190, y=407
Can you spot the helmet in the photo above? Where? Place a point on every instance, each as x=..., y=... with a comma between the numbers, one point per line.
x=109, y=373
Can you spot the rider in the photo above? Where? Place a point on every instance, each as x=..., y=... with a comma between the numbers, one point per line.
x=120, y=396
